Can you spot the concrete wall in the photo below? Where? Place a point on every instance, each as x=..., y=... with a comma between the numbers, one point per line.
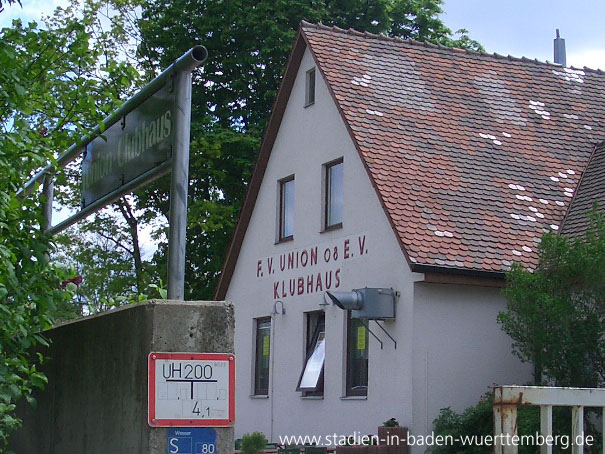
x=96, y=399
x=308, y=138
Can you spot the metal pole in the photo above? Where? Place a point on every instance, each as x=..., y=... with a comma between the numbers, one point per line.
x=577, y=429
x=47, y=207
x=178, y=188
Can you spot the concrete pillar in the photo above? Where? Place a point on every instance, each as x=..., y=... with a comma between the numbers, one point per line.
x=96, y=399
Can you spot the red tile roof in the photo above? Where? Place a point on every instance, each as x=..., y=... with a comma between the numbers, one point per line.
x=590, y=190
x=473, y=155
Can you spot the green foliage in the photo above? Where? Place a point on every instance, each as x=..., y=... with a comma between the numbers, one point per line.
x=234, y=90
x=390, y=423
x=556, y=314
x=105, y=267
x=158, y=290
x=478, y=421
x=48, y=80
x=220, y=165
x=253, y=443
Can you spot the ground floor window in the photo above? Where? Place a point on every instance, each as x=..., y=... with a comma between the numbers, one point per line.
x=357, y=358
x=311, y=380
x=263, y=353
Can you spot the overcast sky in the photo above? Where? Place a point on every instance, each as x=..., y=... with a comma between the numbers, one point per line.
x=522, y=28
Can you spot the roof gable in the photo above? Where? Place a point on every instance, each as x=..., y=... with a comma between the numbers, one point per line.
x=590, y=190
x=474, y=156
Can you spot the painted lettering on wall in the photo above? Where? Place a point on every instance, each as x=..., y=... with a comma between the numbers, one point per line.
x=311, y=269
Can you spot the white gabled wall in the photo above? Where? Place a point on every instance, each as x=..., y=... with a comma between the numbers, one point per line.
x=308, y=138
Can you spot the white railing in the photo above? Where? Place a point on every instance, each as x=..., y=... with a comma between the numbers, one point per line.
x=507, y=398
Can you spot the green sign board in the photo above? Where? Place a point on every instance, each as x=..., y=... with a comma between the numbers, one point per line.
x=138, y=144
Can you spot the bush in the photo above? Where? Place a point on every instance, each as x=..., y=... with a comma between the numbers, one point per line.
x=479, y=421
x=253, y=443
x=555, y=313
x=391, y=423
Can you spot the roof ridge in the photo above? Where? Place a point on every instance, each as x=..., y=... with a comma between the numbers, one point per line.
x=353, y=32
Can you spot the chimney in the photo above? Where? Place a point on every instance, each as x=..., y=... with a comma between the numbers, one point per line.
x=560, y=50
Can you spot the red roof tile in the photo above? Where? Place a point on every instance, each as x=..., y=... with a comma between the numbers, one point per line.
x=474, y=156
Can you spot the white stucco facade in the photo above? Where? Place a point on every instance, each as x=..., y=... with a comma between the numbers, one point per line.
x=449, y=346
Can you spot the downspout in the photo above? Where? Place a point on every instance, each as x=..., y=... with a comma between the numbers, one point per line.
x=272, y=353
x=282, y=311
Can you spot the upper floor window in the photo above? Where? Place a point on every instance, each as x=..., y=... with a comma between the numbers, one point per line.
x=333, y=195
x=262, y=355
x=310, y=87
x=286, y=208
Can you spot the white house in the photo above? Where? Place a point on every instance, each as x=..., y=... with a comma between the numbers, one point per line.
x=396, y=164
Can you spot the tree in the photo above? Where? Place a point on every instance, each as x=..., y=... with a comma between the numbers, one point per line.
x=52, y=88
x=220, y=165
x=234, y=90
x=103, y=259
x=556, y=314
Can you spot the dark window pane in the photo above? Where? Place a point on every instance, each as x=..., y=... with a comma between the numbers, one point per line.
x=263, y=352
x=334, y=194
x=310, y=88
x=287, y=209
x=357, y=358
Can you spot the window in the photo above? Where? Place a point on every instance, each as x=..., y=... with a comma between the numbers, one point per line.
x=310, y=87
x=357, y=358
x=333, y=195
x=263, y=352
x=311, y=380
x=286, y=208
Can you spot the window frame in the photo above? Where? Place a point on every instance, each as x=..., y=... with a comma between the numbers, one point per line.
x=258, y=325
x=349, y=390
x=327, y=194
x=315, y=325
x=310, y=86
x=281, y=209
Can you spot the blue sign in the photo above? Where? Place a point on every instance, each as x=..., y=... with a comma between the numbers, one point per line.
x=192, y=441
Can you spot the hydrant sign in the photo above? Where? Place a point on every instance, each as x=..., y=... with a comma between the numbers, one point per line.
x=191, y=389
